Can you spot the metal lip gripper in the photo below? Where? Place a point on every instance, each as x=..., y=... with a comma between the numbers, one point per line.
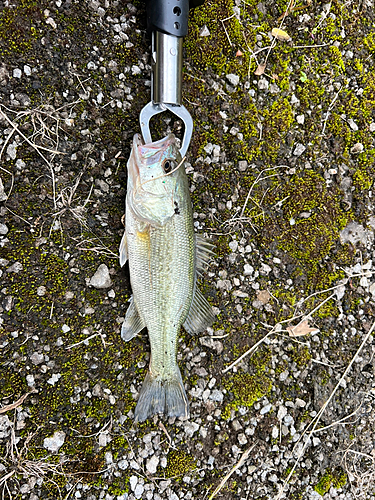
x=167, y=21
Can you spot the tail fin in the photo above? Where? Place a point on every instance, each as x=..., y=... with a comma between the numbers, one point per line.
x=159, y=395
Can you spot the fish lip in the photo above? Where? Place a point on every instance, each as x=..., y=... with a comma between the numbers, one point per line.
x=155, y=147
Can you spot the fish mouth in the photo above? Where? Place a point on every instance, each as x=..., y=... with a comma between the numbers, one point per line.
x=153, y=149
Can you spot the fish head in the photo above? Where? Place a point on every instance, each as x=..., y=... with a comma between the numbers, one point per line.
x=154, y=171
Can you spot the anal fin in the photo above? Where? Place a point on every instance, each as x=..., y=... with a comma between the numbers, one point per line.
x=133, y=323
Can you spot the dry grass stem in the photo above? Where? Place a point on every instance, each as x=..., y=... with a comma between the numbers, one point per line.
x=238, y=465
x=17, y=403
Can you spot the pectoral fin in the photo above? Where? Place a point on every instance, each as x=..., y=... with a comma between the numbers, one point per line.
x=200, y=314
x=123, y=250
x=204, y=251
x=133, y=323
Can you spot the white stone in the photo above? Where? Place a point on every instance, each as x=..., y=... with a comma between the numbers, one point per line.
x=65, y=328
x=300, y=119
x=20, y=164
x=357, y=148
x=37, y=358
x=299, y=149
x=12, y=150
x=242, y=439
x=41, y=290
x=30, y=380
x=54, y=442
x=275, y=432
x=138, y=492
x=204, y=31
x=123, y=464
x=27, y=70
x=3, y=196
x=152, y=464
x=3, y=229
x=263, y=84
x=17, y=73
x=15, y=268
x=136, y=70
x=233, y=245
x=191, y=428
x=372, y=127
x=51, y=22
x=233, y=79
x=133, y=482
x=101, y=278
x=265, y=409
x=353, y=124
x=55, y=378
x=217, y=395
x=282, y=412
x=248, y=270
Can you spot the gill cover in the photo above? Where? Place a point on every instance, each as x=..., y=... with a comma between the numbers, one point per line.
x=150, y=192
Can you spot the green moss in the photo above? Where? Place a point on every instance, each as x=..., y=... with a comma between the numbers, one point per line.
x=308, y=227
x=218, y=50
x=300, y=354
x=179, y=464
x=277, y=120
x=12, y=384
x=332, y=478
x=18, y=30
x=247, y=388
x=362, y=180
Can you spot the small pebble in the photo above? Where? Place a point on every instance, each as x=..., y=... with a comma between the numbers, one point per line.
x=353, y=124
x=152, y=464
x=101, y=278
x=233, y=79
x=299, y=149
x=54, y=442
x=204, y=31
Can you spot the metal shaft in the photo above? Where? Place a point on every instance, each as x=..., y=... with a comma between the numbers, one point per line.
x=167, y=69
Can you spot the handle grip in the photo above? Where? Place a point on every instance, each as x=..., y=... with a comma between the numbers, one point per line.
x=170, y=16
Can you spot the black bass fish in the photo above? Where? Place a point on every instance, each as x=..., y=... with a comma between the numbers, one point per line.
x=164, y=257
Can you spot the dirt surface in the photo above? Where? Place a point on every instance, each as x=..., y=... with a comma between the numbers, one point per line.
x=281, y=169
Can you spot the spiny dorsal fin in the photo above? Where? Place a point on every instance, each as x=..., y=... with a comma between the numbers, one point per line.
x=133, y=323
x=200, y=314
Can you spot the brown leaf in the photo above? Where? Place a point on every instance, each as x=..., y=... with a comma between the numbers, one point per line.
x=280, y=35
x=301, y=329
x=260, y=69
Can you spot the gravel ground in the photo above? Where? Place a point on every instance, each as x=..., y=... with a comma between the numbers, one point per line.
x=281, y=169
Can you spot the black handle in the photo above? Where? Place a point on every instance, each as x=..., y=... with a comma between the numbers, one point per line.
x=169, y=16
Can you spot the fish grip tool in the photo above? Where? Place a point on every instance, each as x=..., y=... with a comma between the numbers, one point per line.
x=167, y=21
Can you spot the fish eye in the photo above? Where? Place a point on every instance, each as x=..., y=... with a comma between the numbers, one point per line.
x=169, y=165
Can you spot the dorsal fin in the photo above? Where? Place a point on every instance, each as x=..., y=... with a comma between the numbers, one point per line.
x=204, y=252
x=200, y=314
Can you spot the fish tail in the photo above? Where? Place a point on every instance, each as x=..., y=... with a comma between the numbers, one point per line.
x=160, y=395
